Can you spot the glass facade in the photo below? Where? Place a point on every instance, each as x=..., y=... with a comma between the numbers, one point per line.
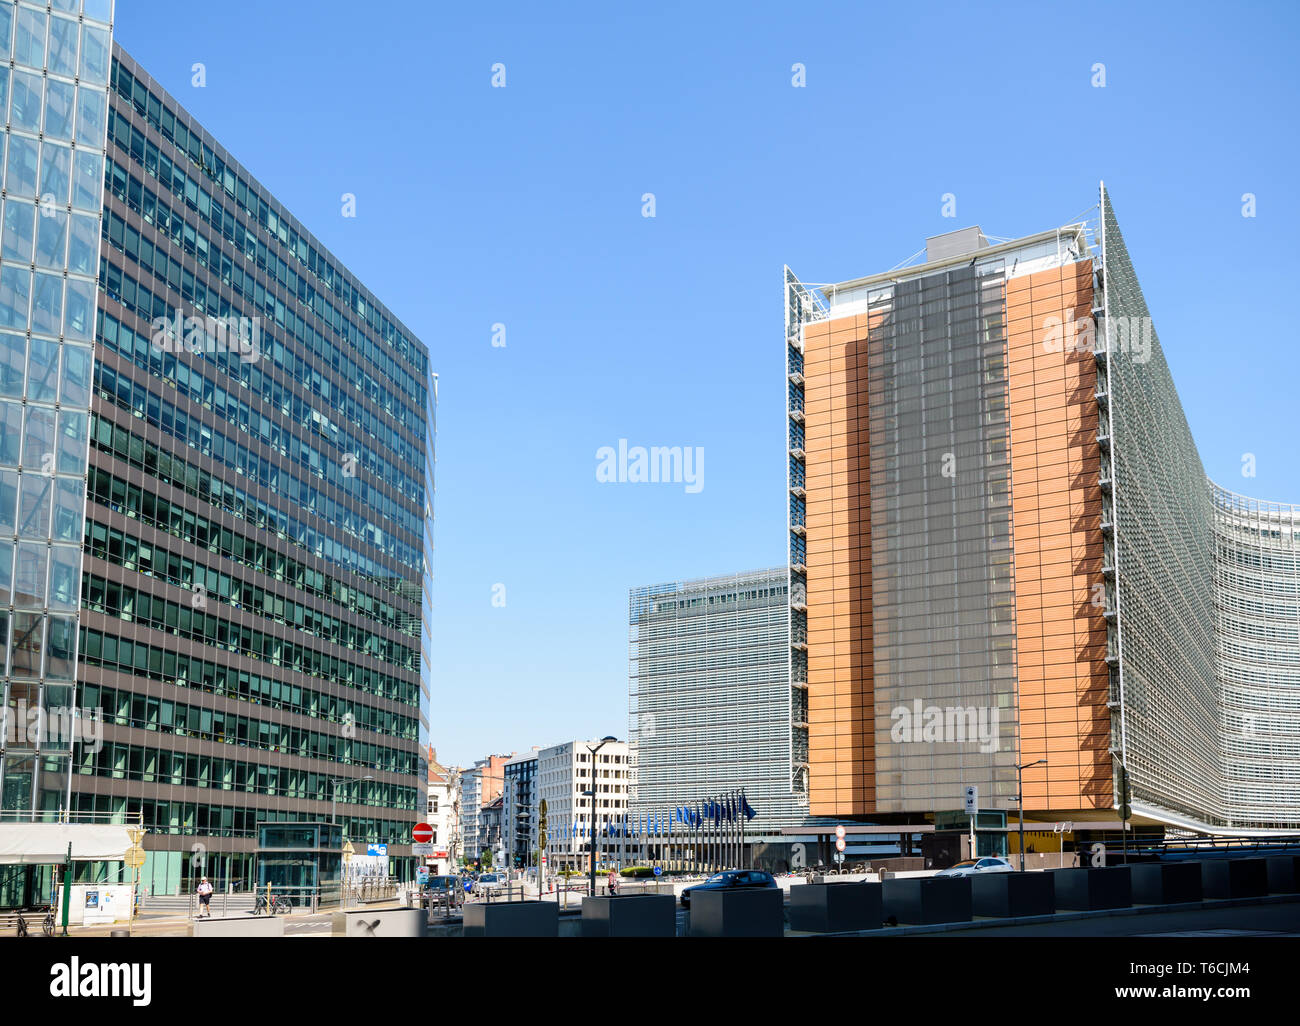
x=1257, y=601
x=235, y=490
x=54, y=89
x=943, y=604
x=1162, y=519
x=710, y=696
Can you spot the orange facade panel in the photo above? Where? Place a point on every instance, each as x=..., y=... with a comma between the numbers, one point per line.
x=841, y=753
x=1056, y=514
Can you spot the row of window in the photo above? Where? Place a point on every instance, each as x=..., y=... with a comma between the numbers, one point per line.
x=129, y=709
x=119, y=284
x=151, y=663
x=316, y=348
x=136, y=397
x=162, y=817
x=133, y=554
x=147, y=105
x=172, y=469
x=117, y=600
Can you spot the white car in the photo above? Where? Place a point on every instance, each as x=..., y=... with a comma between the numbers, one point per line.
x=488, y=882
x=988, y=864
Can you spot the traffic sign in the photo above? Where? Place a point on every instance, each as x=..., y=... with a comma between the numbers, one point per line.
x=134, y=856
x=972, y=799
x=422, y=849
x=839, y=832
x=839, y=856
x=422, y=832
x=377, y=849
x=659, y=870
x=840, y=845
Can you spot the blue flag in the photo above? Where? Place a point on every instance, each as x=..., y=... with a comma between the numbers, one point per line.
x=746, y=808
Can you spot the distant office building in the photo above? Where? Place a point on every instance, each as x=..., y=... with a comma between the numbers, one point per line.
x=711, y=706
x=480, y=785
x=519, y=812
x=1004, y=548
x=565, y=778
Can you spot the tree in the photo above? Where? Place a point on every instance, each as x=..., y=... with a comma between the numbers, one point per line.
x=486, y=858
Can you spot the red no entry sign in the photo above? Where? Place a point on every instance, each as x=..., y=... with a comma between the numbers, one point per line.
x=423, y=833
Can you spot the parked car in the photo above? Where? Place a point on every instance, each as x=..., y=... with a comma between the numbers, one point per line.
x=488, y=882
x=971, y=867
x=728, y=880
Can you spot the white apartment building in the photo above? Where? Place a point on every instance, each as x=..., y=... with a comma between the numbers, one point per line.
x=564, y=774
x=443, y=814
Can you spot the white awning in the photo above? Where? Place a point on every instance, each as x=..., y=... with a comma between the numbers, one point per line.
x=47, y=843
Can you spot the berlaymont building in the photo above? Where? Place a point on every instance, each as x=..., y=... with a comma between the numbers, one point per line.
x=1004, y=556
x=1004, y=550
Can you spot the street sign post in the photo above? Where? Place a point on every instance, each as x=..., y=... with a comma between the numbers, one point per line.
x=972, y=810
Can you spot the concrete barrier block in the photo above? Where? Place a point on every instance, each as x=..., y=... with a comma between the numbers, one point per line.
x=1283, y=874
x=1234, y=878
x=1012, y=894
x=738, y=913
x=631, y=915
x=238, y=926
x=1089, y=889
x=389, y=922
x=511, y=919
x=1166, y=883
x=834, y=908
x=928, y=900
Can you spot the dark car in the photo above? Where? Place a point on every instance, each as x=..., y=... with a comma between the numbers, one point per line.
x=729, y=880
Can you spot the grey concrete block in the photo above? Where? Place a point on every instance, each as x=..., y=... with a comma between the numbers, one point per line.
x=1088, y=890
x=1234, y=878
x=238, y=926
x=1165, y=883
x=389, y=922
x=833, y=908
x=511, y=919
x=759, y=912
x=631, y=915
x=1012, y=894
x=1283, y=874
x=927, y=900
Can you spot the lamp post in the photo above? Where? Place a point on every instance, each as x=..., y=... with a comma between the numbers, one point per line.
x=1020, y=800
x=603, y=742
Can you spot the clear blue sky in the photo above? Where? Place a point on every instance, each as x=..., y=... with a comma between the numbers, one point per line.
x=523, y=206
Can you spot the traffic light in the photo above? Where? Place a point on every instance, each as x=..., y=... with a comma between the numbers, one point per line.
x=1125, y=797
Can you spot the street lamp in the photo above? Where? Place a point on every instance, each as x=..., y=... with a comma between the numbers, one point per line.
x=603, y=742
x=1020, y=800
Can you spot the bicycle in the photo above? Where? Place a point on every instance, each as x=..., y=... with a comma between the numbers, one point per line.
x=47, y=924
x=279, y=905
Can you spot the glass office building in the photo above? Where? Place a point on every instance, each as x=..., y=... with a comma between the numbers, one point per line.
x=711, y=708
x=237, y=501
x=1004, y=548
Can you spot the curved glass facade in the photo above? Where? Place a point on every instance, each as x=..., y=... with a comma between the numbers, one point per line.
x=1208, y=601
x=1257, y=605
